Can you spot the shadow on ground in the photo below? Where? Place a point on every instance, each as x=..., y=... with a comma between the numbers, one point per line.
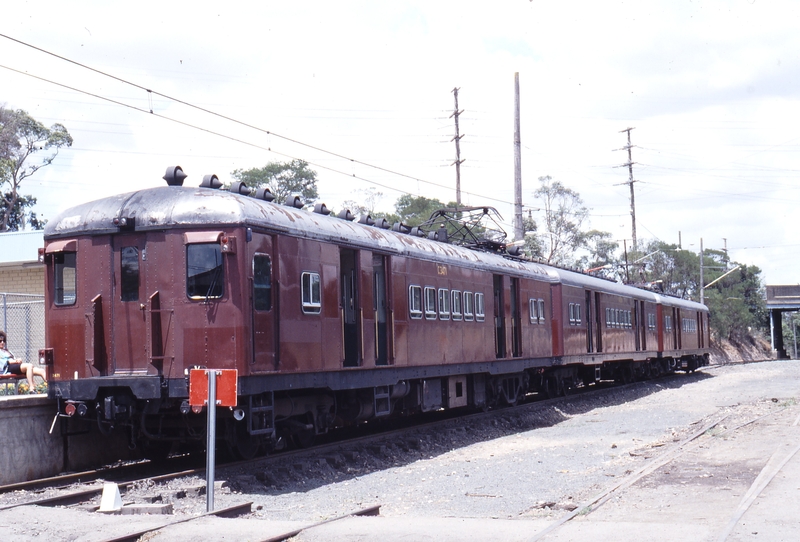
x=313, y=469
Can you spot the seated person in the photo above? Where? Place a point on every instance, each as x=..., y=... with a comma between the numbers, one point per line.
x=10, y=365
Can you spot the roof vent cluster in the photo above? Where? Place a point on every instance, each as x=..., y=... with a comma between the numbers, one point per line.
x=175, y=177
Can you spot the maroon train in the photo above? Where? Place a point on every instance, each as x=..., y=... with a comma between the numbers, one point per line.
x=328, y=321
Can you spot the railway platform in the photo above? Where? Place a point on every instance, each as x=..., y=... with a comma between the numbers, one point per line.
x=31, y=450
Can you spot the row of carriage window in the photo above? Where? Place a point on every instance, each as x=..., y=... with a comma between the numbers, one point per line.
x=203, y=281
x=445, y=304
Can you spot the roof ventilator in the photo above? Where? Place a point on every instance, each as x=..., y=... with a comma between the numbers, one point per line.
x=211, y=181
x=367, y=220
x=401, y=228
x=294, y=201
x=345, y=214
x=174, y=176
x=321, y=209
x=238, y=187
x=265, y=194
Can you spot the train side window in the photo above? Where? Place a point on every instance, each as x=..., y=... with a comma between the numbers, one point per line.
x=64, y=278
x=430, y=303
x=572, y=314
x=311, y=293
x=578, y=316
x=534, y=312
x=444, y=304
x=415, y=301
x=469, y=305
x=480, y=311
x=129, y=276
x=541, y=311
x=262, y=282
x=204, y=271
x=455, y=296
x=668, y=323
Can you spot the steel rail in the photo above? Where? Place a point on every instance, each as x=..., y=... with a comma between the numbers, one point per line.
x=662, y=459
x=75, y=497
x=371, y=511
x=231, y=511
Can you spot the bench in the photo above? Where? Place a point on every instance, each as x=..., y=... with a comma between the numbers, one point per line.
x=10, y=382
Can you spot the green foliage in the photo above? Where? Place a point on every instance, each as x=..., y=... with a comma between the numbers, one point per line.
x=602, y=258
x=676, y=271
x=370, y=198
x=564, y=216
x=283, y=179
x=21, y=216
x=736, y=301
x=22, y=136
x=414, y=210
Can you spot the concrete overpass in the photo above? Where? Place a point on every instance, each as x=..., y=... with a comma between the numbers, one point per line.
x=780, y=299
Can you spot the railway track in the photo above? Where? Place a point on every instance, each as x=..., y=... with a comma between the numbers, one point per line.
x=772, y=468
x=604, y=393
x=62, y=491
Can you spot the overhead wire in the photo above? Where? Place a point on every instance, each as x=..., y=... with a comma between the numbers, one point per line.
x=230, y=119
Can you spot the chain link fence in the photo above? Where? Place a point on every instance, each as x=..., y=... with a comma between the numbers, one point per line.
x=22, y=318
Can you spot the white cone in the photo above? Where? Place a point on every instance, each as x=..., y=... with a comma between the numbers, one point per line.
x=111, y=500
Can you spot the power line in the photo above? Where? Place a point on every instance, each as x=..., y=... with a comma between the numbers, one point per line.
x=225, y=117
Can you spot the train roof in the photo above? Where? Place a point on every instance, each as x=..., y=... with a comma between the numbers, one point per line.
x=571, y=278
x=184, y=207
x=170, y=207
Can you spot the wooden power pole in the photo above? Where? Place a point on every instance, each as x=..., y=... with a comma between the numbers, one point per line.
x=630, y=182
x=457, y=139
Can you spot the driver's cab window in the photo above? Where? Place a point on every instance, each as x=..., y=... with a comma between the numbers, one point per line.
x=205, y=275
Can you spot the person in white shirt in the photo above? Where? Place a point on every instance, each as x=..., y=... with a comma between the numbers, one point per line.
x=11, y=365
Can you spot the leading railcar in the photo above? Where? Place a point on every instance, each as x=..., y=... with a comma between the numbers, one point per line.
x=328, y=321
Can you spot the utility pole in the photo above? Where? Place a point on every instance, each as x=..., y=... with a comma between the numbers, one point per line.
x=630, y=182
x=702, y=279
x=457, y=139
x=518, y=229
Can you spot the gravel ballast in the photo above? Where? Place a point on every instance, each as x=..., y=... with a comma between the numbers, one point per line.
x=505, y=479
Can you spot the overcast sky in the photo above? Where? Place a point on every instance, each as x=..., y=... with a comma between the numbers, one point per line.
x=363, y=91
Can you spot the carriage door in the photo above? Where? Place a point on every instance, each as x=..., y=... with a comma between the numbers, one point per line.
x=598, y=321
x=499, y=318
x=643, y=324
x=130, y=343
x=379, y=301
x=350, y=308
x=264, y=302
x=516, y=320
x=589, y=322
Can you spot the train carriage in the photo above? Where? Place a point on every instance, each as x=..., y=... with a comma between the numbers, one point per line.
x=326, y=320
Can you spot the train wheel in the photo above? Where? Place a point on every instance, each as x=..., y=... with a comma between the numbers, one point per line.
x=241, y=444
x=156, y=450
x=305, y=438
x=303, y=434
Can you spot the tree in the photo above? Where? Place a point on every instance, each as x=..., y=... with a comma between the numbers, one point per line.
x=601, y=259
x=283, y=179
x=22, y=136
x=414, y=210
x=736, y=302
x=564, y=215
x=20, y=216
x=370, y=199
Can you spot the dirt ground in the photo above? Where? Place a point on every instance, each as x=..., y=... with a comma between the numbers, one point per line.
x=524, y=477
